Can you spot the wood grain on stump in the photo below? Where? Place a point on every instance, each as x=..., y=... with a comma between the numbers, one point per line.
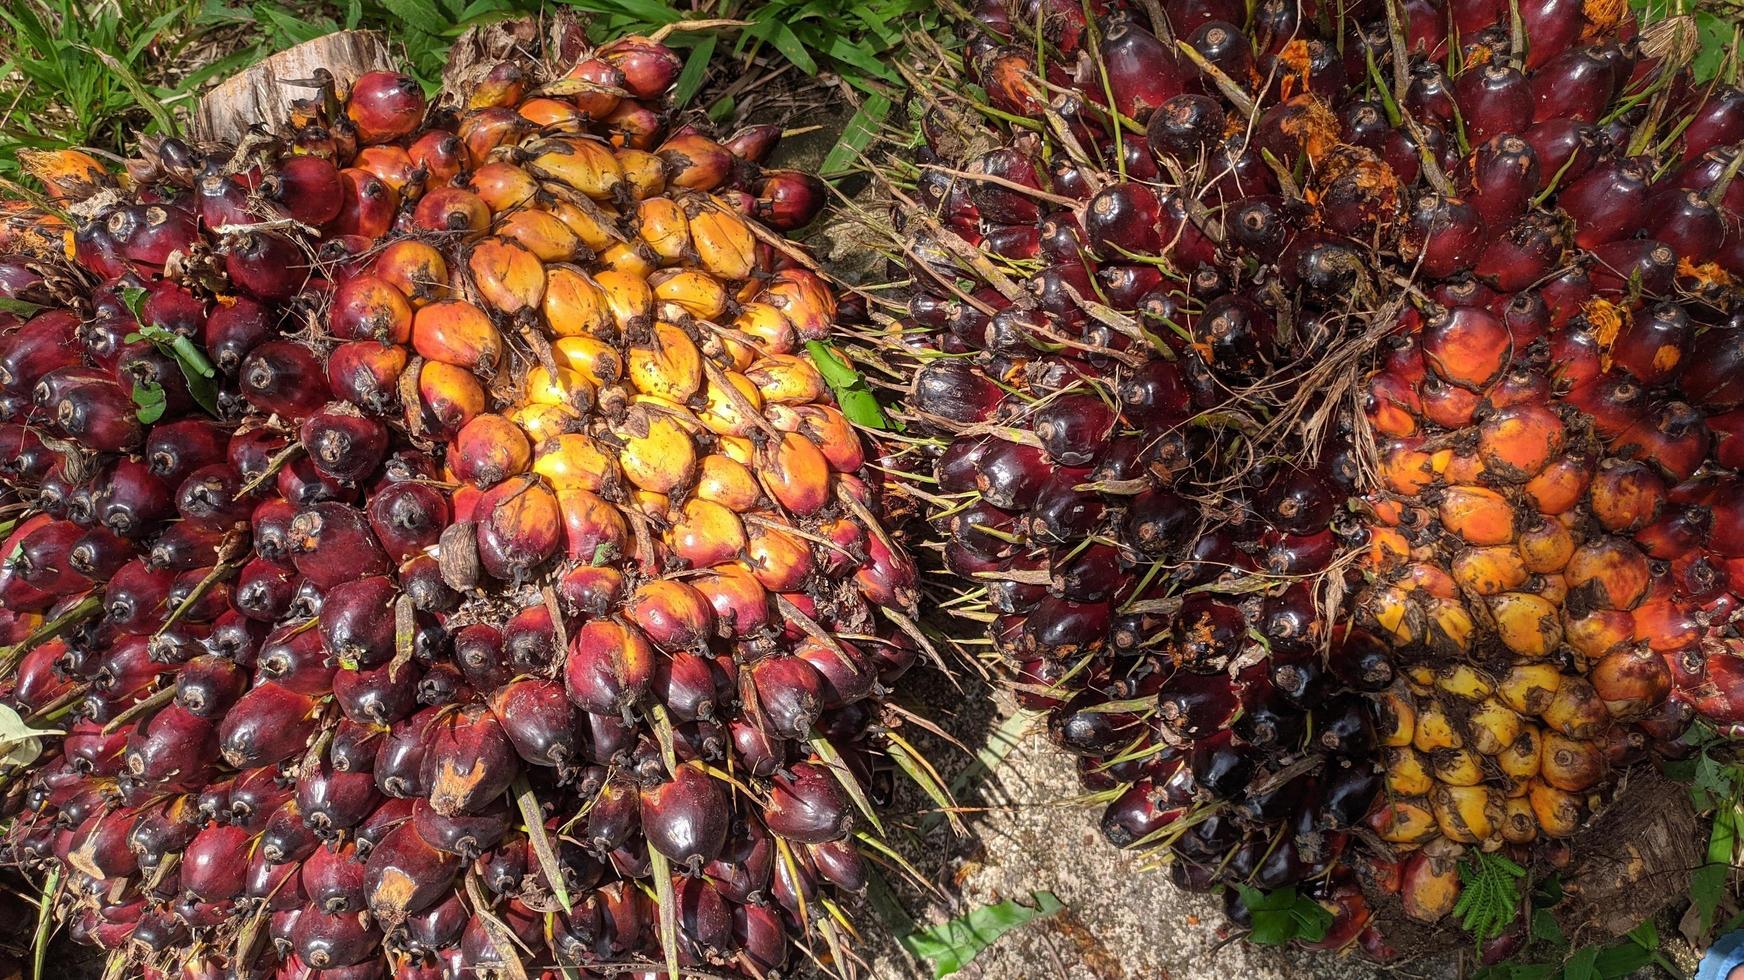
x=263, y=93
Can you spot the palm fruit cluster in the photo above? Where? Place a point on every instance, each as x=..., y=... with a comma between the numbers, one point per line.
x=1333, y=416
x=437, y=546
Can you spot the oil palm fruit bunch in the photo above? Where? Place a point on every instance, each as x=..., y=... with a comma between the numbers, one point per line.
x=1329, y=411
x=509, y=595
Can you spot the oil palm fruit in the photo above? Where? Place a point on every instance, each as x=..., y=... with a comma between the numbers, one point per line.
x=1326, y=420
x=435, y=540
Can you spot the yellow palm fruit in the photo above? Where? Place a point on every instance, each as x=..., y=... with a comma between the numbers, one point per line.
x=509, y=278
x=1467, y=814
x=1407, y=773
x=728, y=483
x=1459, y=767
x=589, y=222
x=503, y=186
x=706, y=534
x=739, y=449
x=795, y=473
x=1431, y=882
x=657, y=506
x=690, y=291
x=788, y=379
x=1551, y=588
x=1406, y=820
x=668, y=366
x=1435, y=728
x=1571, y=764
x=581, y=162
x=1527, y=624
x=575, y=306
x=808, y=302
x=1464, y=681
x=730, y=348
x=551, y=115
x=1519, y=762
x=631, y=257
x=768, y=327
x=567, y=388
x=541, y=233
x=1559, y=812
x=1492, y=727
x=592, y=358
x=726, y=415
x=1478, y=515
x=1529, y=688
x=1576, y=710
x=576, y=461
x=662, y=226
x=1519, y=824
x=644, y=174
x=834, y=435
x=416, y=269
x=1547, y=546
x=628, y=298
x=1395, y=614
x=1448, y=626
x=1491, y=570
x=1421, y=677
x=658, y=453
x=543, y=422
x=723, y=241
x=1396, y=716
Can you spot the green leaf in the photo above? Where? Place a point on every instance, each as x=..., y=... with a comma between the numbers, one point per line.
x=18, y=307
x=857, y=402
x=151, y=401
x=859, y=132
x=1708, y=883
x=421, y=14
x=782, y=38
x=1272, y=928
x=1490, y=897
x=695, y=70
x=949, y=946
x=1579, y=965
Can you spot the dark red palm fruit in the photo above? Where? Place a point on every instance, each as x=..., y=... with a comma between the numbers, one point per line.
x=254, y=795
x=478, y=654
x=1687, y=222
x=1445, y=236
x=329, y=942
x=1715, y=380
x=468, y=836
x=685, y=684
x=46, y=342
x=1607, y=203
x=266, y=265
x=1013, y=241
x=808, y=805
x=609, y=667
x=1527, y=253
x=357, y=625
x=686, y=817
x=421, y=579
x=332, y=800
x=1126, y=220
x=1717, y=121
x=1673, y=434
x=519, y=528
x=97, y=414
x=1504, y=177
x=443, y=684
x=211, y=498
x=301, y=483
x=787, y=200
x=384, y=106
x=1137, y=814
x=277, y=886
x=174, y=750
x=646, y=67
x=368, y=205
x=753, y=143
x=450, y=209
x=173, y=450
x=333, y=878
x=1633, y=266
x=1493, y=99
x=529, y=641
x=40, y=679
x=367, y=374
x=99, y=843
x=207, y=686
x=1576, y=85
x=1123, y=287
x=252, y=450
x=761, y=936
x=305, y=188
x=615, y=815
x=1141, y=71
x=285, y=378
x=1189, y=707
x=39, y=556
x=1566, y=149
x=91, y=752
x=433, y=930
x=331, y=543
x=1430, y=95
x=215, y=864
x=672, y=615
x=539, y=721
x=162, y=231
x=294, y=659
x=404, y=875
x=1653, y=343
x=955, y=391
x=470, y=761
x=267, y=725
x=286, y=839
x=24, y=459
x=236, y=325
x=379, y=695
x=789, y=693
x=264, y=590
x=344, y=444
x=1072, y=428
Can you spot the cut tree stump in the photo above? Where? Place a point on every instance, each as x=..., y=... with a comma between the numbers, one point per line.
x=263, y=93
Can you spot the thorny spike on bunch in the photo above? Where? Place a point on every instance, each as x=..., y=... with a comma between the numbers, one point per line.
x=416, y=575
x=1342, y=455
